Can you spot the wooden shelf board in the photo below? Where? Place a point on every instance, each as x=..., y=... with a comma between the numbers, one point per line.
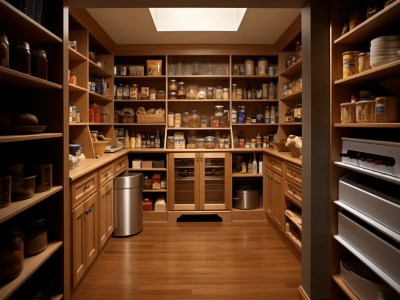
x=186, y=101
x=77, y=88
x=57, y=297
x=294, y=201
x=27, y=27
x=367, y=29
x=388, y=279
x=389, y=178
x=31, y=264
x=155, y=191
x=14, y=78
x=386, y=71
x=238, y=150
x=254, y=100
x=294, y=240
x=385, y=230
x=98, y=97
x=238, y=175
x=78, y=124
x=293, y=97
x=254, y=77
x=199, y=76
x=367, y=125
x=100, y=124
x=95, y=70
x=340, y=283
x=293, y=71
x=28, y=137
x=19, y=206
x=255, y=124
x=140, y=77
x=75, y=55
x=139, y=124
x=198, y=128
x=148, y=169
x=146, y=150
x=294, y=218
x=139, y=101
x=291, y=124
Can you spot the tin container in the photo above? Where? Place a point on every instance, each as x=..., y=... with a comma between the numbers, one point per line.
x=35, y=237
x=21, y=58
x=262, y=65
x=350, y=63
x=363, y=62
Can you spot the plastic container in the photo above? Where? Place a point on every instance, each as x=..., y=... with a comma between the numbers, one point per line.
x=23, y=188
x=386, y=109
x=365, y=111
x=348, y=112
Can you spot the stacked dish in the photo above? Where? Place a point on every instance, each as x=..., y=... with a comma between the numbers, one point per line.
x=384, y=50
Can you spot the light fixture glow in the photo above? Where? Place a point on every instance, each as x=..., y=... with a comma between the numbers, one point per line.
x=197, y=19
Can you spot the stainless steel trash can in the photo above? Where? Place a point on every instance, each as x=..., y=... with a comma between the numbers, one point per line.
x=128, y=218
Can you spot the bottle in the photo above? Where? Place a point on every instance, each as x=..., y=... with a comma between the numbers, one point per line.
x=258, y=141
x=241, y=139
x=234, y=115
x=300, y=112
x=260, y=165
x=253, y=117
x=259, y=116
x=259, y=94
x=271, y=91
x=157, y=140
x=250, y=166
x=266, y=115
x=287, y=115
x=272, y=115
x=235, y=139
x=126, y=139
x=254, y=166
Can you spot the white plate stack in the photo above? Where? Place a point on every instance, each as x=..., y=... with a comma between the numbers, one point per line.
x=384, y=50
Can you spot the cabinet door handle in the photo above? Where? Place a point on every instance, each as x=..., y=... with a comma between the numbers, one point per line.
x=86, y=187
x=86, y=212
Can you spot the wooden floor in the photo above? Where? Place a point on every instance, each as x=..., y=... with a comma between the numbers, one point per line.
x=238, y=260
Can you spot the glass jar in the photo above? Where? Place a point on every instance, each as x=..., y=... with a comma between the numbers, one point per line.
x=192, y=137
x=173, y=87
x=262, y=65
x=4, y=51
x=104, y=115
x=21, y=58
x=181, y=92
x=225, y=94
x=194, y=119
x=249, y=66
x=241, y=114
x=191, y=92
x=210, y=93
x=209, y=142
x=39, y=64
x=133, y=92
x=153, y=94
x=125, y=92
x=171, y=121
x=173, y=95
x=219, y=93
x=170, y=142
x=177, y=120
x=200, y=143
x=185, y=119
x=160, y=95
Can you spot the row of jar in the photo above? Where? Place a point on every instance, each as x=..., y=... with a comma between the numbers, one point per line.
x=195, y=119
x=250, y=68
x=294, y=114
x=258, y=141
x=294, y=58
x=139, y=140
x=133, y=92
x=197, y=141
x=267, y=114
x=97, y=114
x=292, y=87
x=21, y=58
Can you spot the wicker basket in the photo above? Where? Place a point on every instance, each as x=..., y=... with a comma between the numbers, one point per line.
x=295, y=152
x=150, y=118
x=281, y=146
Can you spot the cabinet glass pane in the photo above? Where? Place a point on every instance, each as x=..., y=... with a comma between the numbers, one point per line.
x=214, y=180
x=184, y=181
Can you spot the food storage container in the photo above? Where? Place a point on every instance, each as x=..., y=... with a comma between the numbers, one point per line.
x=209, y=142
x=11, y=252
x=348, y=112
x=35, y=237
x=365, y=111
x=200, y=143
x=23, y=188
x=5, y=191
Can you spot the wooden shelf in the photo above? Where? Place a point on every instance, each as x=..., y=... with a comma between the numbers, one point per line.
x=339, y=281
x=13, y=78
x=383, y=72
x=28, y=137
x=368, y=29
x=198, y=128
x=31, y=264
x=149, y=169
x=186, y=101
x=95, y=70
x=19, y=206
x=295, y=218
x=254, y=77
x=293, y=71
x=255, y=124
x=246, y=175
x=27, y=27
x=254, y=100
x=294, y=240
x=294, y=201
x=139, y=101
x=367, y=125
x=75, y=55
x=294, y=97
x=155, y=191
x=291, y=124
x=139, y=124
x=388, y=279
x=198, y=77
x=140, y=77
x=97, y=97
x=77, y=88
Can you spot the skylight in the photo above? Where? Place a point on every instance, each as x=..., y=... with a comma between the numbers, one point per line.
x=197, y=19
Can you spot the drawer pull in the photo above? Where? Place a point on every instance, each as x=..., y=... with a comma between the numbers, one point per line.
x=86, y=187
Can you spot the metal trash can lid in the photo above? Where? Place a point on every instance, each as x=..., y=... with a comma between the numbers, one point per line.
x=128, y=180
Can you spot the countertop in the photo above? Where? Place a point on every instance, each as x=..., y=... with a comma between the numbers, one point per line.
x=90, y=165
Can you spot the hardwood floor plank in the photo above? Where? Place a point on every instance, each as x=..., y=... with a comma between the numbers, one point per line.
x=187, y=261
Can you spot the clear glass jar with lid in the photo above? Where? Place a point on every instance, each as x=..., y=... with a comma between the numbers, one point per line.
x=181, y=92
x=173, y=86
x=194, y=119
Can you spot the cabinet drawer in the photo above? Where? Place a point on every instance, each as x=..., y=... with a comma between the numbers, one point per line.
x=274, y=164
x=106, y=174
x=83, y=188
x=120, y=165
x=293, y=192
x=293, y=173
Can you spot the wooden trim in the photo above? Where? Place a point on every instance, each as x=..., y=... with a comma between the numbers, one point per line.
x=195, y=49
x=290, y=33
x=302, y=294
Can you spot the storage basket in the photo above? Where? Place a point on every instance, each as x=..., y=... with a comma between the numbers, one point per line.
x=294, y=151
x=32, y=8
x=154, y=67
x=151, y=118
x=281, y=146
x=386, y=109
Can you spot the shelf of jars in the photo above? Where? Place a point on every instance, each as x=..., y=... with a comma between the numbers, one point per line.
x=297, y=96
x=293, y=70
x=367, y=29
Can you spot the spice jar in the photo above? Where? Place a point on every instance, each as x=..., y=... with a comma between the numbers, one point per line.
x=21, y=58
x=39, y=64
x=181, y=92
x=4, y=51
x=35, y=237
x=173, y=87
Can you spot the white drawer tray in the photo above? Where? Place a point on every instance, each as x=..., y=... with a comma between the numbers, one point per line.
x=388, y=151
x=374, y=198
x=382, y=254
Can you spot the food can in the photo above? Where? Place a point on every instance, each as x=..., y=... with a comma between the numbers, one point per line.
x=249, y=67
x=350, y=63
x=363, y=62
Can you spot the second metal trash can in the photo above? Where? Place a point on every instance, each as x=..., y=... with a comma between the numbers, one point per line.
x=128, y=218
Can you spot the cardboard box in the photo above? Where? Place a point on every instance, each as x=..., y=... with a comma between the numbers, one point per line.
x=147, y=164
x=156, y=182
x=158, y=164
x=147, y=205
x=136, y=164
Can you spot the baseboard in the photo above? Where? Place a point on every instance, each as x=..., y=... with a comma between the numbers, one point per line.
x=302, y=294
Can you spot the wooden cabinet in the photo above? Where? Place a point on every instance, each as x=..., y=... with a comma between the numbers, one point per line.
x=82, y=188
x=381, y=79
x=105, y=212
x=273, y=199
x=26, y=93
x=84, y=237
x=199, y=181
x=120, y=165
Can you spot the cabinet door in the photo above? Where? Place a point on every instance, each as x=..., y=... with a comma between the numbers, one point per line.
x=109, y=209
x=102, y=211
x=78, y=244
x=214, y=181
x=269, y=192
x=90, y=229
x=183, y=190
x=277, y=198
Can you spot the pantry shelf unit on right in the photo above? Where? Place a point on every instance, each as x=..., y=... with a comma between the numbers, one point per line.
x=365, y=174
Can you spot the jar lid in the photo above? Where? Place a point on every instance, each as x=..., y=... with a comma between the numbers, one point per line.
x=39, y=53
x=351, y=52
x=22, y=45
x=209, y=138
x=363, y=54
x=200, y=139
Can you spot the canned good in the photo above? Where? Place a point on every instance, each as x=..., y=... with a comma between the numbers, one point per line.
x=363, y=62
x=73, y=79
x=350, y=63
x=262, y=65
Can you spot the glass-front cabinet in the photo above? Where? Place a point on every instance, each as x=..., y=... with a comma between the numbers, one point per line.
x=198, y=181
